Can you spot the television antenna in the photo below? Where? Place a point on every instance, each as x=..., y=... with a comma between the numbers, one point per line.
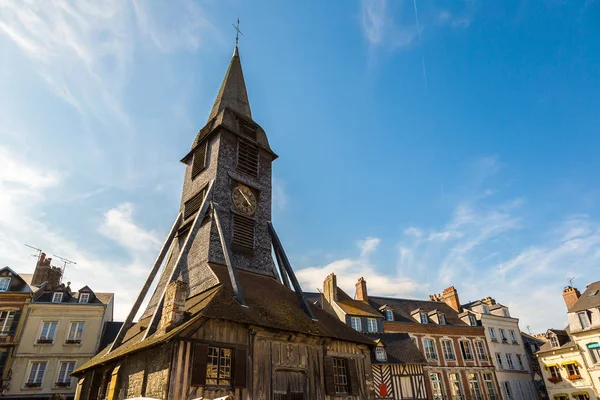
x=571, y=281
x=65, y=262
x=39, y=251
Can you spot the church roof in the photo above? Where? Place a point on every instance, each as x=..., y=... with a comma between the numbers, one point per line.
x=233, y=93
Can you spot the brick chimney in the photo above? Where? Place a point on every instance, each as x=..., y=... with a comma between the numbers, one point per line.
x=174, y=305
x=571, y=295
x=44, y=272
x=489, y=301
x=330, y=288
x=361, y=290
x=448, y=296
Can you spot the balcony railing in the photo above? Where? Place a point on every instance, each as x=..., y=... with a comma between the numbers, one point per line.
x=574, y=377
x=73, y=341
x=555, y=379
x=63, y=384
x=33, y=384
x=44, y=340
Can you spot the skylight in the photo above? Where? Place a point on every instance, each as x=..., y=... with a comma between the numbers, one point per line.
x=595, y=292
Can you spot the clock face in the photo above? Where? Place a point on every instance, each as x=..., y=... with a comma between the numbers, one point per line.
x=244, y=200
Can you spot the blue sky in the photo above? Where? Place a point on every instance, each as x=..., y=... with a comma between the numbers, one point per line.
x=457, y=149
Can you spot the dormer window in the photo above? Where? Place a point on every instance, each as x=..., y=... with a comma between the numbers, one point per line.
x=84, y=297
x=4, y=283
x=380, y=354
x=442, y=319
x=583, y=320
x=389, y=315
x=472, y=320
x=57, y=297
x=423, y=318
x=486, y=309
x=505, y=312
x=554, y=341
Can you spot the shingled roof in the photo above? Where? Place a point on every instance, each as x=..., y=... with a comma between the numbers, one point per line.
x=404, y=307
x=400, y=349
x=589, y=299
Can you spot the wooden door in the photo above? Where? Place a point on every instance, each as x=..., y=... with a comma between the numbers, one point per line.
x=289, y=385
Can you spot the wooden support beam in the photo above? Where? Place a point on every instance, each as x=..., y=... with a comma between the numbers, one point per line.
x=180, y=259
x=140, y=299
x=235, y=283
x=278, y=247
x=282, y=272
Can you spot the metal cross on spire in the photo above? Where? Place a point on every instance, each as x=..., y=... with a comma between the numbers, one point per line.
x=237, y=32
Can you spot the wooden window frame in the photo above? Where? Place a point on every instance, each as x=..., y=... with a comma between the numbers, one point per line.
x=333, y=386
x=466, y=350
x=248, y=158
x=199, y=165
x=190, y=207
x=432, y=356
x=243, y=238
x=480, y=350
x=200, y=364
x=57, y=296
x=448, y=350
x=358, y=325
x=2, y=280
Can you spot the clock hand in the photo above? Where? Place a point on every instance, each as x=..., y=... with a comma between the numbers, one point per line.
x=246, y=198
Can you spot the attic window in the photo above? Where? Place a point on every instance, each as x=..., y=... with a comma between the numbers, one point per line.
x=199, y=163
x=84, y=297
x=57, y=297
x=472, y=320
x=191, y=206
x=247, y=129
x=4, y=283
x=247, y=158
x=243, y=233
x=380, y=354
x=442, y=319
x=595, y=292
x=486, y=309
x=554, y=341
x=389, y=315
x=423, y=318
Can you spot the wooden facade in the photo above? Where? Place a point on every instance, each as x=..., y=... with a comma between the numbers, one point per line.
x=399, y=382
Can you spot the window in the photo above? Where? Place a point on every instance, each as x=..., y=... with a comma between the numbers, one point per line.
x=499, y=361
x=486, y=309
x=36, y=374
x=247, y=158
x=380, y=354
x=520, y=362
x=594, y=349
x=472, y=320
x=554, y=373
x=508, y=390
x=247, y=129
x=554, y=341
x=593, y=293
x=467, y=353
x=243, y=232
x=199, y=163
x=490, y=388
x=6, y=322
x=492, y=332
x=436, y=386
x=429, y=346
x=583, y=320
x=355, y=322
x=475, y=387
x=84, y=297
x=572, y=371
x=503, y=335
x=513, y=337
x=415, y=341
x=442, y=319
x=57, y=297
x=480, y=349
x=47, y=333
x=75, y=332
x=192, y=206
x=64, y=373
x=581, y=396
x=455, y=386
x=389, y=315
x=505, y=312
x=340, y=376
x=509, y=361
x=371, y=325
x=423, y=317
x=218, y=367
x=4, y=283
x=448, y=350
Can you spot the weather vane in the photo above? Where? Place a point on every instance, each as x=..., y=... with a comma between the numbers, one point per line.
x=237, y=32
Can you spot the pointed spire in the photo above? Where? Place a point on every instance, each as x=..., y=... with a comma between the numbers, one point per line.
x=233, y=93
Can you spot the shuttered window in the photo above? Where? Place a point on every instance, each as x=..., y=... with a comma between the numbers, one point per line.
x=218, y=366
x=243, y=233
x=341, y=376
x=199, y=163
x=247, y=129
x=247, y=158
x=193, y=205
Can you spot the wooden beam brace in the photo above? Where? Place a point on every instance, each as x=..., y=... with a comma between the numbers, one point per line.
x=235, y=283
x=282, y=272
x=278, y=247
x=180, y=260
x=140, y=299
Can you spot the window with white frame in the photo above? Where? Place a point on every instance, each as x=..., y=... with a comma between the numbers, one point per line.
x=465, y=348
x=480, y=349
x=475, y=387
x=513, y=336
x=371, y=325
x=4, y=283
x=554, y=341
x=442, y=319
x=486, y=309
x=36, y=374
x=508, y=390
x=355, y=323
x=423, y=318
x=47, y=333
x=84, y=297
x=75, y=332
x=492, y=332
x=472, y=320
x=6, y=321
x=437, y=386
x=380, y=354
x=594, y=350
x=490, y=388
x=520, y=362
x=448, y=350
x=583, y=320
x=429, y=347
x=509, y=361
x=389, y=315
x=455, y=386
x=499, y=361
x=503, y=335
x=57, y=297
x=64, y=373
x=506, y=312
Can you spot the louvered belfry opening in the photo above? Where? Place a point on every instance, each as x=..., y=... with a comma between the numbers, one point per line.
x=247, y=158
x=247, y=129
x=243, y=233
x=199, y=163
x=193, y=205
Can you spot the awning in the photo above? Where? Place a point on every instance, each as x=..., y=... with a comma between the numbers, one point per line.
x=594, y=345
x=551, y=365
x=586, y=394
x=570, y=362
x=559, y=395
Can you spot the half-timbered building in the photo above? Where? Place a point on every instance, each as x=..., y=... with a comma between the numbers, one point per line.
x=225, y=319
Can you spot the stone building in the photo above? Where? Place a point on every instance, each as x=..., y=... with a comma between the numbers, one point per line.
x=61, y=330
x=532, y=345
x=504, y=340
x=222, y=320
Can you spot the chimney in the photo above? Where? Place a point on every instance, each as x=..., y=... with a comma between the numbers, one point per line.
x=489, y=301
x=448, y=296
x=174, y=305
x=571, y=295
x=330, y=288
x=361, y=290
x=44, y=272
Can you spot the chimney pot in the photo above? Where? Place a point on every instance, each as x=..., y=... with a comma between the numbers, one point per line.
x=570, y=296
